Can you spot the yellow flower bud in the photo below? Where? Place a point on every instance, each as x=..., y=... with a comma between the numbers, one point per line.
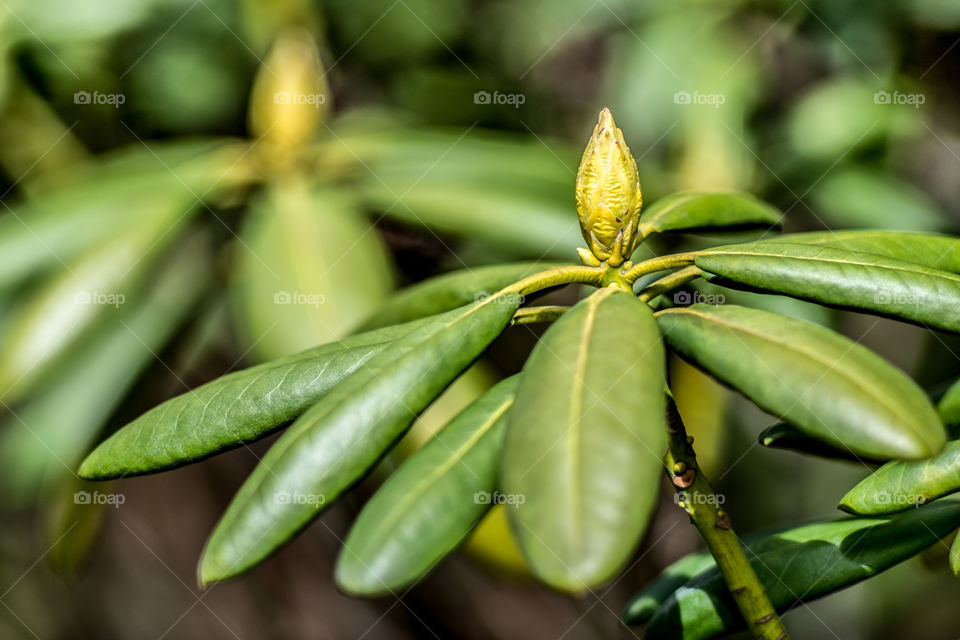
x=608, y=194
x=290, y=96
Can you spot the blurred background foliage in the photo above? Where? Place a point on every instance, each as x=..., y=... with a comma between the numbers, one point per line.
x=167, y=218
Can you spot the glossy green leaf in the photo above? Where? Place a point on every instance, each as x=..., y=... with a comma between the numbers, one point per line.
x=692, y=210
x=932, y=250
x=451, y=290
x=846, y=279
x=46, y=438
x=800, y=565
x=785, y=436
x=826, y=385
x=903, y=484
x=585, y=441
x=341, y=437
x=234, y=409
x=310, y=269
x=430, y=504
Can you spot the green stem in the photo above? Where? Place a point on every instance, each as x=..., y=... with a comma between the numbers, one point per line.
x=701, y=504
x=532, y=315
x=670, y=282
x=661, y=263
x=555, y=277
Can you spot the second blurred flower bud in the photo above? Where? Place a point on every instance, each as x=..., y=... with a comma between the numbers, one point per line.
x=608, y=194
x=290, y=96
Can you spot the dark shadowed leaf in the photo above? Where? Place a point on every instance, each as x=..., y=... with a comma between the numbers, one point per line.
x=788, y=437
x=800, y=565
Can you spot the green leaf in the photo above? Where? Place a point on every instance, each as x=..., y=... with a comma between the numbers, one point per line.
x=858, y=196
x=902, y=484
x=92, y=205
x=518, y=222
x=954, y=558
x=826, y=385
x=932, y=250
x=690, y=211
x=645, y=604
x=846, y=279
x=234, y=409
x=802, y=564
x=585, y=441
x=507, y=191
x=451, y=290
x=56, y=316
x=430, y=504
x=310, y=269
x=949, y=405
x=340, y=438
x=785, y=436
x=49, y=435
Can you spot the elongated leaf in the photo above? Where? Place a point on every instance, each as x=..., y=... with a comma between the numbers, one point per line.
x=451, y=290
x=845, y=279
x=54, y=318
x=234, y=409
x=494, y=189
x=817, y=380
x=692, y=210
x=340, y=438
x=785, y=436
x=933, y=250
x=89, y=207
x=518, y=222
x=429, y=505
x=479, y=158
x=310, y=270
x=585, y=441
x=903, y=484
x=48, y=436
x=645, y=604
x=857, y=196
x=802, y=564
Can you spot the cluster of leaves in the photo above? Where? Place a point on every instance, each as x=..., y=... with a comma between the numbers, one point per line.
x=577, y=438
x=160, y=246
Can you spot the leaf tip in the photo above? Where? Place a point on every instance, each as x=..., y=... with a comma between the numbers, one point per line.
x=210, y=570
x=354, y=578
x=847, y=507
x=639, y=611
x=90, y=468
